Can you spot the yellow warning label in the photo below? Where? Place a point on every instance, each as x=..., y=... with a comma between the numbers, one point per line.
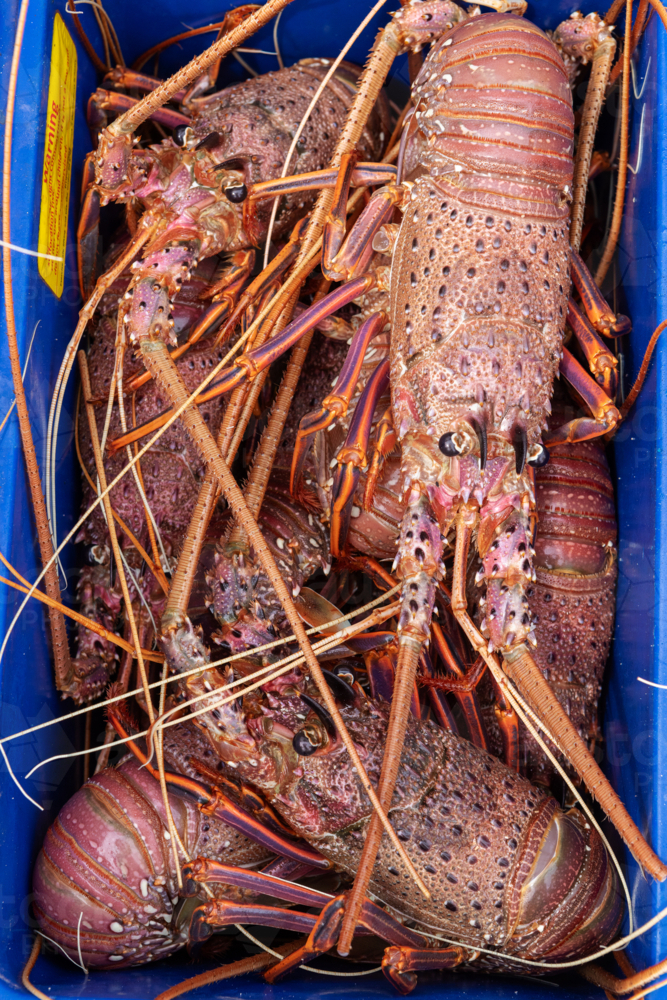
x=57, y=157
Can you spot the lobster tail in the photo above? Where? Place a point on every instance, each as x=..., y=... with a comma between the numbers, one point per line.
x=571, y=902
x=500, y=100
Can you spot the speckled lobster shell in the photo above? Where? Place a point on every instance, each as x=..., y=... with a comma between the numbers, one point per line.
x=105, y=879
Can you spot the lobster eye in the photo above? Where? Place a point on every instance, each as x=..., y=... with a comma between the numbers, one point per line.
x=236, y=194
x=447, y=446
x=306, y=741
x=178, y=134
x=540, y=458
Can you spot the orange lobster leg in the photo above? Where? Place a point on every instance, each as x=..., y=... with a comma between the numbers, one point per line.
x=601, y=361
x=352, y=456
x=381, y=668
x=605, y=415
x=88, y=229
x=595, y=306
x=225, y=913
x=256, y=289
x=206, y=871
x=385, y=442
x=508, y=723
x=462, y=685
x=336, y=403
x=343, y=260
x=323, y=936
x=363, y=175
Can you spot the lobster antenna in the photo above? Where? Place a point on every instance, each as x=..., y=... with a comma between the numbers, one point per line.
x=25, y=368
x=619, y=201
x=135, y=116
x=29, y=966
x=63, y=375
x=155, y=50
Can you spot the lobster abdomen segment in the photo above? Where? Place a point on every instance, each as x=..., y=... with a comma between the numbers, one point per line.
x=494, y=95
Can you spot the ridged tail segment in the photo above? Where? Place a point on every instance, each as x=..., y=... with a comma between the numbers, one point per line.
x=494, y=95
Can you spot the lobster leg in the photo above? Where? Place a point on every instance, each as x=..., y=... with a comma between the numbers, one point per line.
x=601, y=361
x=344, y=260
x=363, y=175
x=399, y=964
x=352, y=456
x=605, y=414
x=87, y=233
x=207, y=871
x=508, y=723
x=385, y=442
x=336, y=403
x=324, y=934
x=381, y=668
x=224, y=913
x=462, y=685
x=594, y=303
x=256, y=289
x=621, y=987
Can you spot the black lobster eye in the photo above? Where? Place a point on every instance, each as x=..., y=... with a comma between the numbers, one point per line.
x=540, y=459
x=178, y=134
x=236, y=194
x=447, y=446
x=302, y=745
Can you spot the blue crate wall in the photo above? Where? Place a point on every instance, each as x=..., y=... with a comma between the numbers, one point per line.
x=633, y=718
x=635, y=713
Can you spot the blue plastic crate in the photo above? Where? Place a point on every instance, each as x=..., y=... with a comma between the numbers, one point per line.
x=635, y=715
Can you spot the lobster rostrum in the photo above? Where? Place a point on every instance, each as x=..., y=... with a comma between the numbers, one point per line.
x=487, y=841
